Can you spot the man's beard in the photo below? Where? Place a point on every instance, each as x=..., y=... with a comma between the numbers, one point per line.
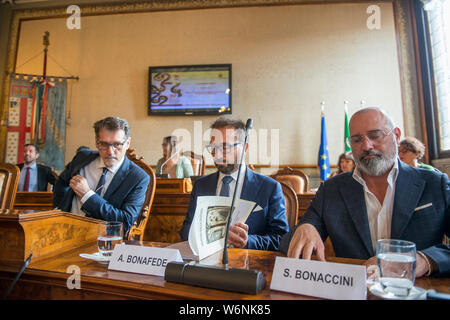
x=378, y=165
x=27, y=160
x=227, y=168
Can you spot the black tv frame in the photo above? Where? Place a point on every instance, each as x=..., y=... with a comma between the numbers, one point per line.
x=188, y=112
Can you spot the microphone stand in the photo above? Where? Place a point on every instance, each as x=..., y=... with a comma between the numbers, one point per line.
x=222, y=278
x=248, y=127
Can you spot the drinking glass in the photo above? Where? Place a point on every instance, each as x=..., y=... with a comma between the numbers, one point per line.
x=397, y=265
x=109, y=234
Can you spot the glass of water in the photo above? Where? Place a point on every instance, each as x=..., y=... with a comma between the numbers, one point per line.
x=109, y=234
x=397, y=265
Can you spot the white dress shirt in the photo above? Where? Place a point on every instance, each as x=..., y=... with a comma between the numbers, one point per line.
x=233, y=182
x=92, y=172
x=379, y=215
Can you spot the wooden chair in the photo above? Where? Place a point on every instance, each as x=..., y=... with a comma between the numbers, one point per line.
x=291, y=200
x=137, y=230
x=9, y=180
x=296, y=179
x=197, y=161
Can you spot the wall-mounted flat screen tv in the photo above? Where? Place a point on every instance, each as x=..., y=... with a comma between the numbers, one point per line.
x=190, y=90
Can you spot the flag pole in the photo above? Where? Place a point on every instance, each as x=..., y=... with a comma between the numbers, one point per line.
x=347, y=147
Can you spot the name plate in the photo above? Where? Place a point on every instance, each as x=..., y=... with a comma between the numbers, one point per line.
x=319, y=279
x=140, y=259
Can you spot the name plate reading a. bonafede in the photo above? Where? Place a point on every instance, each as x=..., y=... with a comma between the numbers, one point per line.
x=328, y=280
x=140, y=259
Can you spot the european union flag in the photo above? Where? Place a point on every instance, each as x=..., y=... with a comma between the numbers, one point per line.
x=324, y=161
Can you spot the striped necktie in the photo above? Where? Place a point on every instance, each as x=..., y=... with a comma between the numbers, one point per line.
x=101, y=182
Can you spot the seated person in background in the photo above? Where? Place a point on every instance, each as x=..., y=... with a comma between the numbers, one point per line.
x=381, y=199
x=173, y=163
x=104, y=184
x=34, y=176
x=267, y=223
x=345, y=163
x=410, y=151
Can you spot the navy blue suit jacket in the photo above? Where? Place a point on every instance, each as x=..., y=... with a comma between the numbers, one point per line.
x=266, y=226
x=122, y=200
x=339, y=211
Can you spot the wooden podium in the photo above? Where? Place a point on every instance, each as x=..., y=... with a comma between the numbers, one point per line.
x=42, y=233
x=168, y=185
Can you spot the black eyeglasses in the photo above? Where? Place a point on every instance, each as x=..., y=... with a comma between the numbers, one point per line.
x=224, y=148
x=102, y=145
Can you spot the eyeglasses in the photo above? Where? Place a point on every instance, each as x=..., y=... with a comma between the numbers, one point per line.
x=374, y=135
x=224, y=148
x=117, y=146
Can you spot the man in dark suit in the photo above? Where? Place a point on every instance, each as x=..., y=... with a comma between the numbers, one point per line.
x=267, y=222
x=34, y=176
x=381, y=198
x=104, y=184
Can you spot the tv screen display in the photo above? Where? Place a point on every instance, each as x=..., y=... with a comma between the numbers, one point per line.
x=190, y=90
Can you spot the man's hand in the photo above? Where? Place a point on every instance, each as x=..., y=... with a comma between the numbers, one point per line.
x=306, y=239
x=79, y=185
x=238, y=235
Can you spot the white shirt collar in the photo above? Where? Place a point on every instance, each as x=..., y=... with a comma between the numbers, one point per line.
x=234, y=174
x=391, y=179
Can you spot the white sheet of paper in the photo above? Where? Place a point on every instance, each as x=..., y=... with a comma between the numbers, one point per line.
x=185, y=250
x=207, y=232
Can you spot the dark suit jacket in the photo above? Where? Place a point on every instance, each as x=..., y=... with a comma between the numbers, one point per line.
x=266, y=226
x=339, y=211
x=122, y=200
x=44, y=176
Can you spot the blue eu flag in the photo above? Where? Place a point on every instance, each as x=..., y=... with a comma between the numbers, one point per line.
x=324, y=161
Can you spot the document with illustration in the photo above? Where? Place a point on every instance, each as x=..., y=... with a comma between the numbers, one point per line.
x=207, y=233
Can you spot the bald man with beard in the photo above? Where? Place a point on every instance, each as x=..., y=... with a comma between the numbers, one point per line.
x=382, y=198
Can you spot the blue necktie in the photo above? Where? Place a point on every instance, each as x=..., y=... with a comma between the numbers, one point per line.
x=101, y=182
x=225, y=191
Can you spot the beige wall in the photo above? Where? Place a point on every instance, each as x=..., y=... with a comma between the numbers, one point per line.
x=286, y=60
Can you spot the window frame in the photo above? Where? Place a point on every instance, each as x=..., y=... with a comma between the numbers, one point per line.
x=426, y=71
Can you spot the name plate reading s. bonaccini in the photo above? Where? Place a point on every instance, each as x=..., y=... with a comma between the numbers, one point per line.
x=319, y=279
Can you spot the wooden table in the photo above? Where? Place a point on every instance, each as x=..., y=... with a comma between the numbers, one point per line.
x=47, y=279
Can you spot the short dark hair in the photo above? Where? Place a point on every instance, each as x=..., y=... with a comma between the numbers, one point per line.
x=223, y=122
x=36, y=147
x=414, y=145
x=112, y=124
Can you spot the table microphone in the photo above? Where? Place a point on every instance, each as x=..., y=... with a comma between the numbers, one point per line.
x=222, y=278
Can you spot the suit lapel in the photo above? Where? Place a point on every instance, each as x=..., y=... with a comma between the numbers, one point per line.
x=353, y=194
x=118, y=178
x=249, y=188
x=209, y=187
x=408, y=190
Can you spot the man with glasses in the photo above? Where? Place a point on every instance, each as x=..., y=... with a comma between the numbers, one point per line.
x=104, y=184
x=381, y=199
x=267, y=223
